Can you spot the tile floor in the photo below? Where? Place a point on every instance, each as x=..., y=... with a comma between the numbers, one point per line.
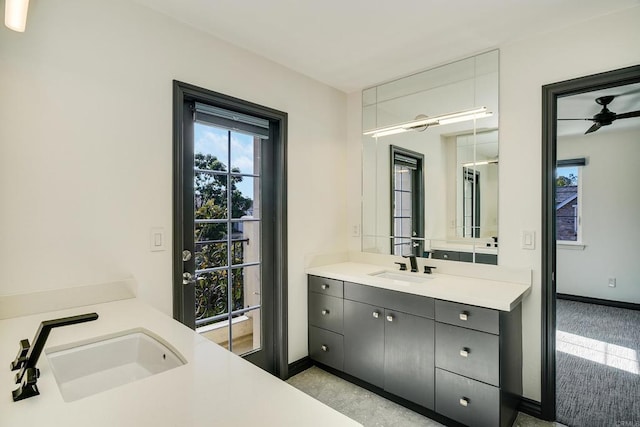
x=368, y=408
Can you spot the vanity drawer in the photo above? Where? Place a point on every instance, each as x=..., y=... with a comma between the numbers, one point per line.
x=326, y=347
x=326, y=312
x=393, y=300
x=469, y=402
x=491, y=259
x=325, y=286
x=468, y=316
x=448, y=255
x=470, y=353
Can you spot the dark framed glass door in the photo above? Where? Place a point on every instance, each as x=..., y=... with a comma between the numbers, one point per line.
x=229, y=269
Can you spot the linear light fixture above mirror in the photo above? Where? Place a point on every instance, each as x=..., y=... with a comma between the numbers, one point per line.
x=15, y=14
x=423, y=122
x=480, y=163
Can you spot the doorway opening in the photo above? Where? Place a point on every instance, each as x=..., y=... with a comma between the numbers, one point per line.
x=571, y=223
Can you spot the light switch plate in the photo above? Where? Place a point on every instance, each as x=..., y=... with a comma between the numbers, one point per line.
x=157, y=240
x=528, y=239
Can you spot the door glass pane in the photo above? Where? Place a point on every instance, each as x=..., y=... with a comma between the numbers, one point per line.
x=245, y=152
x=228, y=298
x=210, y=196
x=211, y=147
x=211, y=296
x=210, y=254
x=244, y=196
x=246, y=245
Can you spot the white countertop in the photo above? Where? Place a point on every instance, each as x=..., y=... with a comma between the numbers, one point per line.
x=493, y=294
x=214, y=387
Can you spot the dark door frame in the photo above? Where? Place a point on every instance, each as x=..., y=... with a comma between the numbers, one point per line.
x=417, y=201
x=183, y=92
x=550, y=95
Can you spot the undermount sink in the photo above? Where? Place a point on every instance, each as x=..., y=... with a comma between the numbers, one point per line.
x=89, y=367
x=403, y=277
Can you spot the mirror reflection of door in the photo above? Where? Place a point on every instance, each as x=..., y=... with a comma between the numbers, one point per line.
x=471, y=202
x=407, y=202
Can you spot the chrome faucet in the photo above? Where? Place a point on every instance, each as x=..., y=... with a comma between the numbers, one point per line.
x=414, y=263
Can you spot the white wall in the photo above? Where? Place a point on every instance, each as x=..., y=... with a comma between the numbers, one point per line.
x=610, y=226
x=525, y=66
x=86, y=148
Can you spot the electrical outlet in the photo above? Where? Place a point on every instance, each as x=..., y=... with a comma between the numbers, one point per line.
x=355, y=230
x=612, y=282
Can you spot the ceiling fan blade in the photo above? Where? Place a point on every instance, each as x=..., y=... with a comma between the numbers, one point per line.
x=593, y=128
x=576, y=119
x=627, y=115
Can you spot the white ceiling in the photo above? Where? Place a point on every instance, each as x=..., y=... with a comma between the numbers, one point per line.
x=627, y=98
x=353, y=44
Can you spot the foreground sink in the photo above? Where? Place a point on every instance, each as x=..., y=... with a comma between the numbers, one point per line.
x=404, y=277
x=90, y=367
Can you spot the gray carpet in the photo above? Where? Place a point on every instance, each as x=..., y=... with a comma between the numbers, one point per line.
x=368, y=408
x=597, y=365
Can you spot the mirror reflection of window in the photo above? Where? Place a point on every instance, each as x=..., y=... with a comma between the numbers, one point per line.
x=407, y=202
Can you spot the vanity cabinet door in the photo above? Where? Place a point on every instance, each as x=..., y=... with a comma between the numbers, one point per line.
x=409, y=357
x=364, y=342
x=326, y=347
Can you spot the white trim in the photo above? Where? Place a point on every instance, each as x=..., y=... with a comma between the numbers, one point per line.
x=568, y=244
x=221, y=324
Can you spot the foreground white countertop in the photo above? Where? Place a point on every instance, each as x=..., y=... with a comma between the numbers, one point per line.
x=214, y=388
x=493, y=294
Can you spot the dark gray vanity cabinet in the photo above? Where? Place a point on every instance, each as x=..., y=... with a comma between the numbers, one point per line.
x=325, y=313
x=364, y=331
x=464, y=362
x=388, y=341
x=408, y=357
x=478, y=364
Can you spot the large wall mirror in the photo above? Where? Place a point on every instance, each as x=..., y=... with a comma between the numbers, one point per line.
x=430, y=163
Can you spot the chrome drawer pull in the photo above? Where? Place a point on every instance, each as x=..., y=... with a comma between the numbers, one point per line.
x=325, y=312
x=389, y=318
x=464, y=401
x=376, y=314
x=324, y=348
x=464, y=352
x=464, y=316
x=325, y=287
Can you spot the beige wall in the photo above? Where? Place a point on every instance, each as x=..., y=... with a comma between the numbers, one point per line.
x=86, y=148
x=610, y=205
x=607, y=43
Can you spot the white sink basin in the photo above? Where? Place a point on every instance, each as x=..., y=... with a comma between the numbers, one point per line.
x=90, y=367
x=404, y=277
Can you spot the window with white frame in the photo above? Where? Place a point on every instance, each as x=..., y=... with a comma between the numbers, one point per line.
x=569, y=200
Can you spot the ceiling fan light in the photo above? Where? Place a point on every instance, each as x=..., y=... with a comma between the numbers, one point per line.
x=15, y=14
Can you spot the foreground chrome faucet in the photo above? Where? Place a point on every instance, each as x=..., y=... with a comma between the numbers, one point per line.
x=29, y=354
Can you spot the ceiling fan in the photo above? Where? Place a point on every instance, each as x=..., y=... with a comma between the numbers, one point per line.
x=605, y=117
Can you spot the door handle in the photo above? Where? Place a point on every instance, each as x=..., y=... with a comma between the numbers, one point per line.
x=186, y=255
x=188, y=279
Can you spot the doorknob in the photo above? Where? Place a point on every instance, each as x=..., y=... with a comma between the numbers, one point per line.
x=187, y=278
x=186, y=255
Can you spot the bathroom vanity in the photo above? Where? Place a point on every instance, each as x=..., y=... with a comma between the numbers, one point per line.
x=450, y=344
x=207, y=386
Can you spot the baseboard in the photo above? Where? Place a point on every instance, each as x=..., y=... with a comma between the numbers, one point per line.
x=530, y=407
x=607, y=302
x=299, y=366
